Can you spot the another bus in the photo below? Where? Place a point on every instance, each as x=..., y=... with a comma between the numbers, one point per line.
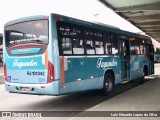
x=157, y=55
x=55, y=54
x=1, y=49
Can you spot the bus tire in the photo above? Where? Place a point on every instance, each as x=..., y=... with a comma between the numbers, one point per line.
x=145, y=72
x=108, y=84
x=142, y=78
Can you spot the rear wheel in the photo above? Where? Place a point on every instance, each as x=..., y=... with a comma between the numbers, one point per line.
x=144, y=74
x=108, y=84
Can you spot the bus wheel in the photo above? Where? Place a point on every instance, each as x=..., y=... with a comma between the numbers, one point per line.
x=108, y=84
x=144, y=74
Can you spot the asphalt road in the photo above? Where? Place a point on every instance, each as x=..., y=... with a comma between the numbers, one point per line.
x=72, y=102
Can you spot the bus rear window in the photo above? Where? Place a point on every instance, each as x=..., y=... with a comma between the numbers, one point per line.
x=27, y=32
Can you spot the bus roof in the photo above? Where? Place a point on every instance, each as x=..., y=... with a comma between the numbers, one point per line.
x=29, y=18
x=80, y=22
x=101, y=26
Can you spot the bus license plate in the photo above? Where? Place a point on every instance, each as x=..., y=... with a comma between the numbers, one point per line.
x=26, y=89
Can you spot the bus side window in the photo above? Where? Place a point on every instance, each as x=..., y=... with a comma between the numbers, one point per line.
x=108, y=45
x=99, y=47
x=88, y=35
x=98, y=38
x=90, y=47
x=137, y=48
x=71, y=42
x=65, y=42
x=78, y=47
x=132, y=47
x=142, y=47
x=66, y=46
x=114, y=44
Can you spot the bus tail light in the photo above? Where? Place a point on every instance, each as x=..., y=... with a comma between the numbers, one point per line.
x=5, y=72
x=50, y=77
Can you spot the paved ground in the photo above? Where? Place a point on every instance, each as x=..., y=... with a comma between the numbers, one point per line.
x=126, y=97
x=1, y=75
x=1, y=70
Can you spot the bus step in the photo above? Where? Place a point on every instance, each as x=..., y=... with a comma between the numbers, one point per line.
x=124, y=81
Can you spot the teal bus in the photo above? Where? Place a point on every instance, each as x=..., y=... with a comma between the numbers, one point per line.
x=55, y=54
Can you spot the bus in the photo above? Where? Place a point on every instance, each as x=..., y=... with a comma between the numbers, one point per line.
x=55, y=54
x=1, y=49
x=157, y=55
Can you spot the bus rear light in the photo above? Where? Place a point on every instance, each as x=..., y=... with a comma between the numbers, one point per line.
x=42, y=86
x=50, y=76
x=46, y=17
x=5, y=72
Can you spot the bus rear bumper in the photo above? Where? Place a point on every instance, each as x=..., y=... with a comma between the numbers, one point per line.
x=41, y=89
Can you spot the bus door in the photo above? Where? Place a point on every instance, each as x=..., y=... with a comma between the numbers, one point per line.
x=150, y=55
x=124, y=48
